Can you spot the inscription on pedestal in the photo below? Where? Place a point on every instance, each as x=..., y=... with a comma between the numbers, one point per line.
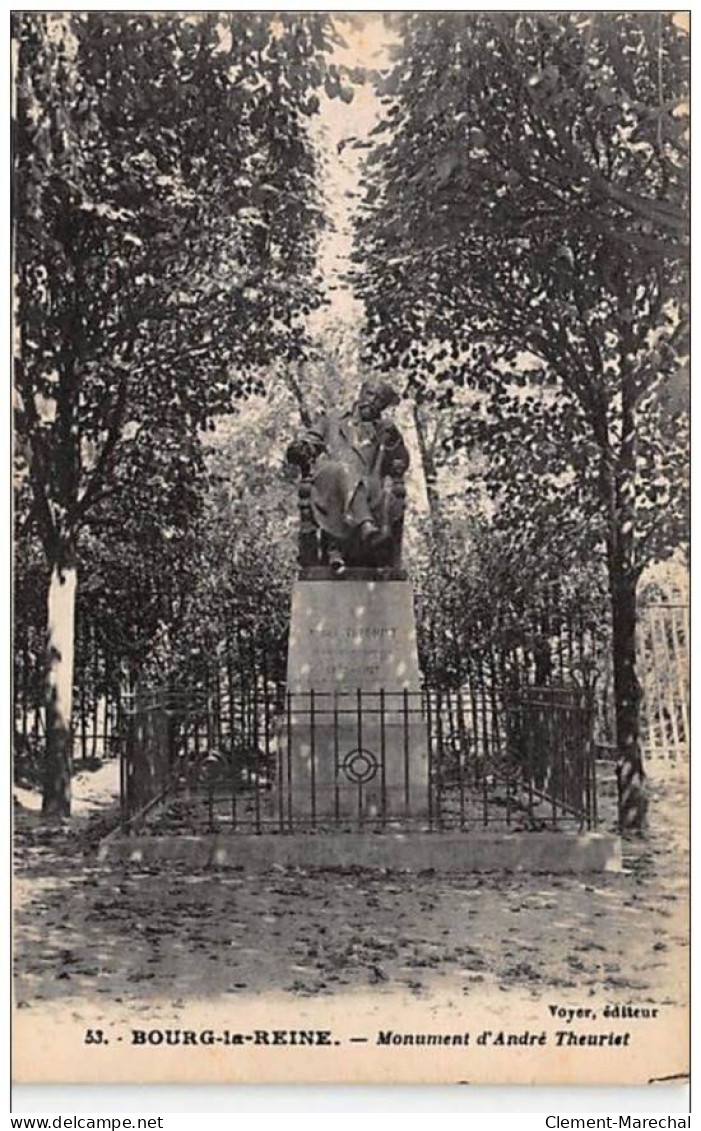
x=353, y=635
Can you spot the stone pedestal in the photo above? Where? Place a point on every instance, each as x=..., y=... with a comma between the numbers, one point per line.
x=356, y=741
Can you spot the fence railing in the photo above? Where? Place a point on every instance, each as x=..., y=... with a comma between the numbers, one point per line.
x=314, y=761
x=663, y=672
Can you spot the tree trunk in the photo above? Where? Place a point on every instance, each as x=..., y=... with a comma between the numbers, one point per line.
x=428, y=467
x=59, y=686
x=631, y=774
x=298, y=393
x=623, y=579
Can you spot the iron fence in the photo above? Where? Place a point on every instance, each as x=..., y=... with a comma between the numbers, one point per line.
x=663, y=672
x=375, y=760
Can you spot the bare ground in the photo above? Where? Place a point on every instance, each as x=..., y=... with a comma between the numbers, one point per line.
x=132, y=935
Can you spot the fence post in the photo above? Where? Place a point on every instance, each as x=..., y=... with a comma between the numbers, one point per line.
x=127, y=761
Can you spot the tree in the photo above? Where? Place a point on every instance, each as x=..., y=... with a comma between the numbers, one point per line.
x=526, y=214
x=165, y=229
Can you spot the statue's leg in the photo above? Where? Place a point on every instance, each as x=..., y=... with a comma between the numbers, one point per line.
x=379, y=543
x=331, y=489
x=359, y=512
x=308, y=529
x=336, y=556
x=324, y=547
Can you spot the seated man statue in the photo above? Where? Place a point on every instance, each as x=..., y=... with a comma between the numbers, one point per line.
x=355, y=463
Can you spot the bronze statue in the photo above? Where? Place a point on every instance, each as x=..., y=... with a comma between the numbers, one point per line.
x=352, y=491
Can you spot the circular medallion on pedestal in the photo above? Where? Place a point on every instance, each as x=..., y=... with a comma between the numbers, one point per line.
x=360, y=766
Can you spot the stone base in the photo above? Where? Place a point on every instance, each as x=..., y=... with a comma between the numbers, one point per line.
x=445, y=852
x=356, y=744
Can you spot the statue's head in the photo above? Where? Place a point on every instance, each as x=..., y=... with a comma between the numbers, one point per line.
x=374, y=397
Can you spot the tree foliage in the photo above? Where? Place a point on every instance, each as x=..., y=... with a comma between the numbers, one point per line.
x=166, y=220
x=524, y=237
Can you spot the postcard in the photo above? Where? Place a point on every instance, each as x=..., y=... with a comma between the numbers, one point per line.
x=351, y=390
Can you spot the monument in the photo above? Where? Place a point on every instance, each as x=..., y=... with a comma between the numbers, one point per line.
x=356, y=736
